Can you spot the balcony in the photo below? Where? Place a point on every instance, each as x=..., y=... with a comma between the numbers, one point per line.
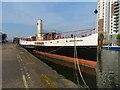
x=116, y=7
x=116, y=24
x=116, y=27
x=117, y=17
x=116, y=14
x=116, y=4
x=116, y=11
x=116, y=30
x=116, y=20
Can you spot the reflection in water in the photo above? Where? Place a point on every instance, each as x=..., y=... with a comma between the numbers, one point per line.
x=107, y=69
x=105, y=75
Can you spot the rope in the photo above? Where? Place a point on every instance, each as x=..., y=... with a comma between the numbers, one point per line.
x=76, y=61
x=75, y=64
x=57, y=49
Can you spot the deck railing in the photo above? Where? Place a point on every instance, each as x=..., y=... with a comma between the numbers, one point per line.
x=69, y=34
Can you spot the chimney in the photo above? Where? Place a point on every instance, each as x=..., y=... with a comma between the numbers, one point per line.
x=39, y=27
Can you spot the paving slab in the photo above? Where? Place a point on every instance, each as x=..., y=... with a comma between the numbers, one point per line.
x=20, y=69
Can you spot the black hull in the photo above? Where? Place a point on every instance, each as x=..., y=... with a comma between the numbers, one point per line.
x=86, y=52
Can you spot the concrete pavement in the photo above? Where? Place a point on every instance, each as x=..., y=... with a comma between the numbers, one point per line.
x=20, y=69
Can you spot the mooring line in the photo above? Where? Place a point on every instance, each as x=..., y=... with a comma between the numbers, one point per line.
x=77, y=64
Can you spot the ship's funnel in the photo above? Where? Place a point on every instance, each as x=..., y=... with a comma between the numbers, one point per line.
x=39, y=27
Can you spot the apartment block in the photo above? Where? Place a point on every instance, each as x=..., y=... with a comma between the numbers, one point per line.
x=109, y=18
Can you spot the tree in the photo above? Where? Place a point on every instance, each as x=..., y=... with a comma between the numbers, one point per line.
x=100, y=36
x=4, y=36
x=100, y=39
x=118, y=37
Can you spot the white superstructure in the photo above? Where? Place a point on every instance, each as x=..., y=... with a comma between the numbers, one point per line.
x=91, y=40
x=87, y=37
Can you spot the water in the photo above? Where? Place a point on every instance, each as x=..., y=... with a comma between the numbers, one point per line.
x=107, y=70
x=105, y=75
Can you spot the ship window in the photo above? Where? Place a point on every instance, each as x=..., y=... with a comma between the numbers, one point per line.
x=57, y=41
x=66, y=41
x=50, y=42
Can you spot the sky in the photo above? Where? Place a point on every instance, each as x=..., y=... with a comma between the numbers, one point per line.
x=49, y=0
x=20, y=18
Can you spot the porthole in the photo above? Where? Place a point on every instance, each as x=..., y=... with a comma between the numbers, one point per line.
x=57, y=41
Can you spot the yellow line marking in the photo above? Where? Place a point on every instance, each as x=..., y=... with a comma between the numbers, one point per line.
x=24, y=81
x=23, y=76
x=28, y=58
x=46, y=82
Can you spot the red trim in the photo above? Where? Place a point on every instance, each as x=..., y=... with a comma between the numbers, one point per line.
x=88, y=63
x=84, y=69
